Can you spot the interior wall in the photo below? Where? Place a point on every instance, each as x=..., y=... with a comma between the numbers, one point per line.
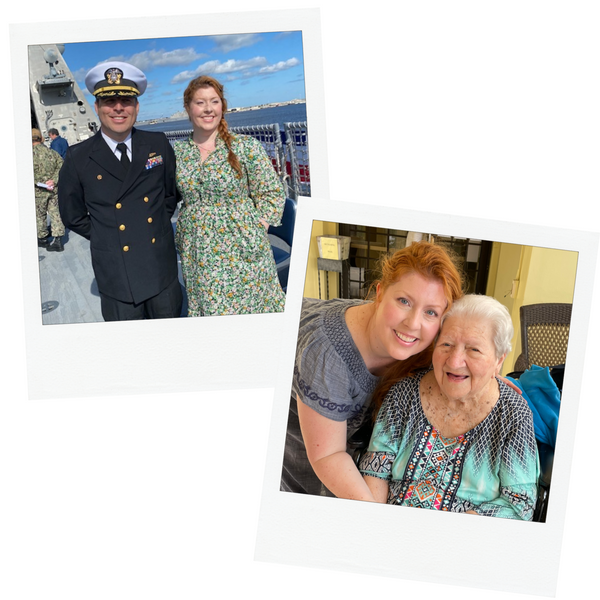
x=311, y=283
x=522, y=275
x=518, y=275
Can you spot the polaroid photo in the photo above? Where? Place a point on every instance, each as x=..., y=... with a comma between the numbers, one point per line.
x=270, y=64
x=338, y=245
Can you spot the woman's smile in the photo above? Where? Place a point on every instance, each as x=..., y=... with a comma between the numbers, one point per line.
x=406, y=339
x=464, y=359
x=206, y=110
x=407, y=316
x=456, y=377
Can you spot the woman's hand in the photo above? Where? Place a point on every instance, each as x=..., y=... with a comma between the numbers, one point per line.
x=510, y=384
x=264, y=224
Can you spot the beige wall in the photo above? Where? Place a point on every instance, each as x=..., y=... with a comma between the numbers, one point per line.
x=311, y=283
x=521, y=275
x=518, y=275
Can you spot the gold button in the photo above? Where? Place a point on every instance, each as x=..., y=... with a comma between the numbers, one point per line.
x=118, y=205
x=98, y=177
x=146, y=199
x=122, y=227
x=149, y=219
x=125, y=248
x=153, y=240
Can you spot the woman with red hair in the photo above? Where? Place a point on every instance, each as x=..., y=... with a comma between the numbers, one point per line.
x=231, y=194
x=345, y=348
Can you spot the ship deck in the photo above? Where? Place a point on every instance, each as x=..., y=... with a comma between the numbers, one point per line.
x=69, y=293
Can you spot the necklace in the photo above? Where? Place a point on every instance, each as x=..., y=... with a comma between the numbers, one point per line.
x=202, y=147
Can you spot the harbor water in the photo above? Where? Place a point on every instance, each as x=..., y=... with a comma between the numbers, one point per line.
x=289, y=113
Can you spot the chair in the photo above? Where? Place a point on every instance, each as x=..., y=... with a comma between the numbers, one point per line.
x=546, y=454
x=544, y=335
x=281, y=238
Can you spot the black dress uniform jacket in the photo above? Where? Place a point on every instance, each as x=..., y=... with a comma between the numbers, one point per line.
x=126, y=214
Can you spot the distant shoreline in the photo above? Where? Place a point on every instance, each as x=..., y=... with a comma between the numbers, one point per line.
x=183, y=115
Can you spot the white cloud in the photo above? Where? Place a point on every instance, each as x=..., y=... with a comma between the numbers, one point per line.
x=216, y=67
x=150, y=59
x=282, y=65
x=234, y=66
x=228, y=43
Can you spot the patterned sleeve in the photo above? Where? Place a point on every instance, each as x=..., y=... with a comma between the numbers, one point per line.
x=383, y=447
x=46, y=164
x=265, y=189
x=518, y=473
x=321, y=380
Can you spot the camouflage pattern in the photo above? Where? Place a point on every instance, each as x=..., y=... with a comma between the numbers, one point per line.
x=46, y=165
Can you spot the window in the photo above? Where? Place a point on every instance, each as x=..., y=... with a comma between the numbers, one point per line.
x=368, y=244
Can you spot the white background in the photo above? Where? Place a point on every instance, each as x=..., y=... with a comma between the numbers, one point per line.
x=474, y=108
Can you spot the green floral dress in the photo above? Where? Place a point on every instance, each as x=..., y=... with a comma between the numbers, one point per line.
x=226, y=258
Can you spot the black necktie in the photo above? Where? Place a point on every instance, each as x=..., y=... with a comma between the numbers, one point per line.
x=122, y=148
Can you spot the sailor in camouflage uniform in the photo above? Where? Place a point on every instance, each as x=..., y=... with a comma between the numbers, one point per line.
x=46, y=166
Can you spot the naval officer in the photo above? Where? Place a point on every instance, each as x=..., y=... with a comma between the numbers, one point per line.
x=118, y=190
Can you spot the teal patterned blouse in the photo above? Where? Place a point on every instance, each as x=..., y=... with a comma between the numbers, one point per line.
x=492, y=469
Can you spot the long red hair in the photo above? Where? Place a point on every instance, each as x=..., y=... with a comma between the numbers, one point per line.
x=432, y=262
x=205, y=81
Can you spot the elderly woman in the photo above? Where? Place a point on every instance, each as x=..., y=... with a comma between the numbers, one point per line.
x=456, y=437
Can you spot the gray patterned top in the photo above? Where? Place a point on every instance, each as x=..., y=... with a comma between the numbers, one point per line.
x=330, y=375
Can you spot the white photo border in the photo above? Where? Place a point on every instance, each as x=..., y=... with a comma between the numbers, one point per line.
x=171, y=355
x=343, y=535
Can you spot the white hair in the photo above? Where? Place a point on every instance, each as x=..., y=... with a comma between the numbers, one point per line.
x=489, y=309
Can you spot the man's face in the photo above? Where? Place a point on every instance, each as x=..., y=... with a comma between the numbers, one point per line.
x=117, y=115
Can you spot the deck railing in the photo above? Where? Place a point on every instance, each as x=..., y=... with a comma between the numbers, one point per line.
x=296, y=141
x=287, y=149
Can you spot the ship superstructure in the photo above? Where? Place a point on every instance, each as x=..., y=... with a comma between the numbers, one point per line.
x=56, y=99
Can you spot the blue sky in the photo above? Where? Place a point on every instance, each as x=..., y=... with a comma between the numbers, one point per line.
x=255, y=68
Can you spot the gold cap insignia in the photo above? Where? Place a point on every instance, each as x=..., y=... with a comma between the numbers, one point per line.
x=113, y=76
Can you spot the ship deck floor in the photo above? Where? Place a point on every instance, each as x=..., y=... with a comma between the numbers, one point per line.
x=68, y=285
x=69, y=293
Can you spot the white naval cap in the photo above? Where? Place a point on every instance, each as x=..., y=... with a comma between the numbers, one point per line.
x=115, y=78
